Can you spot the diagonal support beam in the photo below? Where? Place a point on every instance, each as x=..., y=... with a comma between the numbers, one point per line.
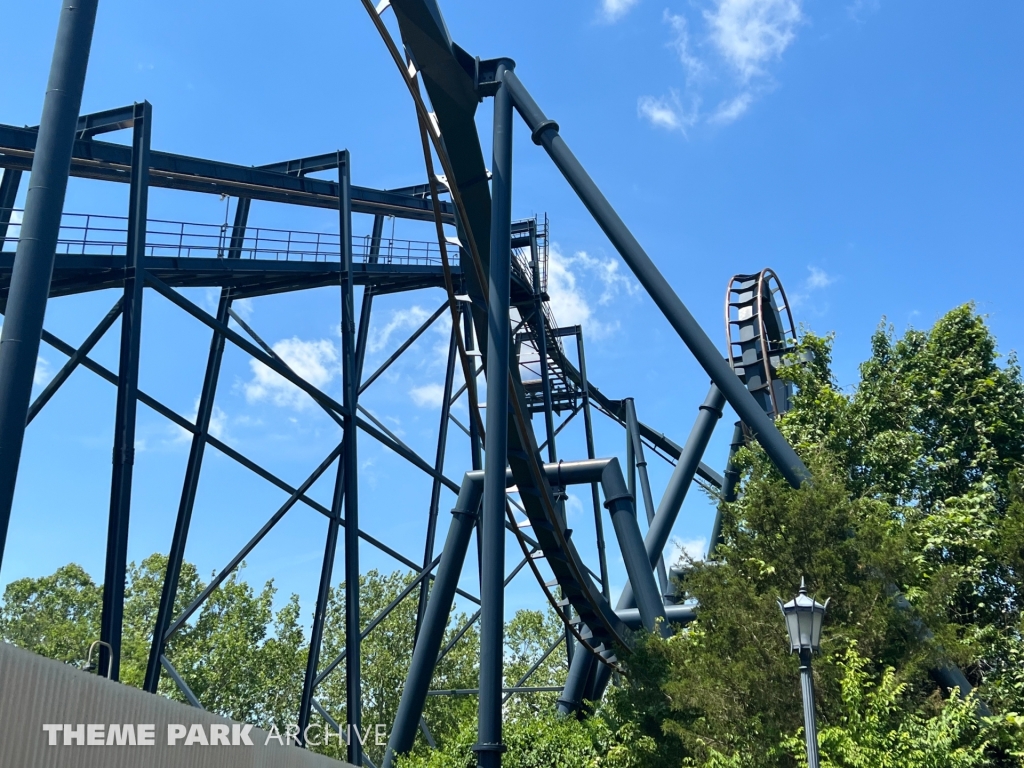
x=75, y=360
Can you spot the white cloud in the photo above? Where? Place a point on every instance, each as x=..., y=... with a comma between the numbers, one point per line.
x=613, y=10
x=819, y=278
x=314, y=361
x=428, y=396
x=43, y=372
x=750, y=33
x=16, y=217
x=816, y=280
x=746, y=35
x=243, y=308
x=667, y=112
x=681, y=45
x=410, y=318
x=731, y=110
x=569, y=303
x=685, y=550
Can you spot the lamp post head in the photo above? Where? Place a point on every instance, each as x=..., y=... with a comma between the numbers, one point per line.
x=804, y=616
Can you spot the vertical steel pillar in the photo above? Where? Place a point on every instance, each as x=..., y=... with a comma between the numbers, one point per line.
x=645, y=483
x=542, y=347
x=127, y=397
x=732, y=479
x=345, y=491
x=353, y=639
x=8, y=196
x=545, y=133
x=492, y=523
x=435, y=491
x=176, y=556
x=589, y=424
x=33, y=262
x=475, y=444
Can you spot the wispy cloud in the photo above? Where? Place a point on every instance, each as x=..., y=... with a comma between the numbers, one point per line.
x=572, y=302
x=731, y=110
x=43, y=372
x=428, y=395
x=401, y=319
x=667, y=112
x=681, y=44
x=817, y=279
x=740, y=40
x=750, y=33
x=613, y=10
x=314, y=361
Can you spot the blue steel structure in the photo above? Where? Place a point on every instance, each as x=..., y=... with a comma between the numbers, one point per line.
x=493, y=271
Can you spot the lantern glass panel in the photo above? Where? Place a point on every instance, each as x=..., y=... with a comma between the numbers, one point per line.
x=793, y=628
x=806, y=619
x=819, y=615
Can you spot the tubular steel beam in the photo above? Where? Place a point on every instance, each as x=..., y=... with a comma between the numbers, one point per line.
x=633, y=428
x=545, y=133
x=679, y=483
x=492, y=520
x=33, y=263
x=111, y=619
x=435, y=620
x=193, y=467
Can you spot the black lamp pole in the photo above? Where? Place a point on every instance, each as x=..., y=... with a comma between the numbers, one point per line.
x=804, y=616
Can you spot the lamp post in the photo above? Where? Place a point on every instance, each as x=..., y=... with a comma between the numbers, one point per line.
x=804, y=616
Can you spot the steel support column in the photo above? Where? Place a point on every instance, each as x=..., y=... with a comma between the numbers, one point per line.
x=679, y=483
x=127, y=398
x=353, y=670
x=435, y=620
x=8, y=196
x=492, y=520
x=435, y=490
x=542, y=347
x=33, y=262
x=633, y=426
x=197, y=450
x=475, y=443
x=545, y=133
x=589, y=426
x=732, y=479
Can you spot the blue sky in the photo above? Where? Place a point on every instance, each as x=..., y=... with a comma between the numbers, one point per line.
x=869, y=152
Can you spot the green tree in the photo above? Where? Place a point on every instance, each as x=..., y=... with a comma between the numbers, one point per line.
x=914, y=492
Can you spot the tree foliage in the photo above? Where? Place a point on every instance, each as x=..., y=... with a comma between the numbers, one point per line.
x=911, y=524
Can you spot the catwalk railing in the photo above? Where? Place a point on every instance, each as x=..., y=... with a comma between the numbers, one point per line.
x=99, y=235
